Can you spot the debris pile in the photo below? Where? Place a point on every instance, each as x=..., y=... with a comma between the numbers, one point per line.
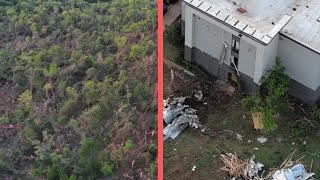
x=198, y=95
x=296, y=172
x=248, y=169
x=178, y=116
x=290, y=170
x=253, y=168
x=262, y=140
x=233, y=165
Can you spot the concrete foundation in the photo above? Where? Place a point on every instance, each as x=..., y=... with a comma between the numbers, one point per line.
x=187, y=53
x=305, y=94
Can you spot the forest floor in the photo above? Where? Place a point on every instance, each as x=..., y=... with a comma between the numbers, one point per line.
x=224, y=114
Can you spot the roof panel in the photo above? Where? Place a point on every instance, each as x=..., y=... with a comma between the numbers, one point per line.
x=270, y=17
x=266, y=39
x=214, y=10
x=205, y=6
x=222, y=15
x=275, y=30
x=196, y=3
x=231, y=20
x=241, y=25
x=249, y=30
x=258, y=34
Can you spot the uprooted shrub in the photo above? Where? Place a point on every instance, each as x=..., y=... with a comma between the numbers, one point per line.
x=274, y=100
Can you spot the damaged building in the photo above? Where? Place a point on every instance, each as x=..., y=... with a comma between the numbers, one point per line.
x=244, y=37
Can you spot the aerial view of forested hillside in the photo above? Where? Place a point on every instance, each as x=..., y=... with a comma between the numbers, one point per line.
x=78, y=94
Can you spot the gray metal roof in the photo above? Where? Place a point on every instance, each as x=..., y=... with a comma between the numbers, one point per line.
x=264, y=19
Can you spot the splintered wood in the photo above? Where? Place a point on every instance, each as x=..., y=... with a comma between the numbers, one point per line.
x=233, y=164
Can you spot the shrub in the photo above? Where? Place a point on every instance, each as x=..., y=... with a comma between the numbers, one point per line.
x=276, y=85
x=3, y=163
x=106, y=169
x=128, y=145
x=173, y=34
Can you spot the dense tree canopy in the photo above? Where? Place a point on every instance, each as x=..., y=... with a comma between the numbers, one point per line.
x=78, y=89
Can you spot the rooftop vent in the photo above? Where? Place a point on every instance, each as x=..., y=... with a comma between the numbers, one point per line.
x=242, y=10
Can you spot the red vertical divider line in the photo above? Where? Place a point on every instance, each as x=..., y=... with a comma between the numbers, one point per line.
x=160, y=89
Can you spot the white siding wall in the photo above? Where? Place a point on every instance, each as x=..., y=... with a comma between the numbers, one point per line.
x=209, y=38
x=208, y=35
x=303, y=65
x=190, y=12
x=270, y=55
x=247, y=57
x=183, y=4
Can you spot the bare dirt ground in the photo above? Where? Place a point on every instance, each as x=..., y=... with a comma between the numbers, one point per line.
x=225, y=117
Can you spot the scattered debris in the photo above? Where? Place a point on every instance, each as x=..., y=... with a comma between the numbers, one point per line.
x=222, y=86
x=297, y=172
x=253, y=169
x=173, y=109
x=170, y=115
x=179, y=124
x=198, y=95
x=178, y=116
x=290, y=170
x=194, y=168
x=262, y=140
x=176, y=66
x=257, y=120
x=249, y=169
x=230, y=90
x=239, y=137
x=233, y=165
x=241, y=168
x=234, y=78
x=188, y=72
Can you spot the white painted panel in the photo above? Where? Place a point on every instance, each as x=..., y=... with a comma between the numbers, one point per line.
x=209, y=38
x=270, y=54
x=302, y=64
x=247, y=57
x=183, y=4
x=189, y=12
